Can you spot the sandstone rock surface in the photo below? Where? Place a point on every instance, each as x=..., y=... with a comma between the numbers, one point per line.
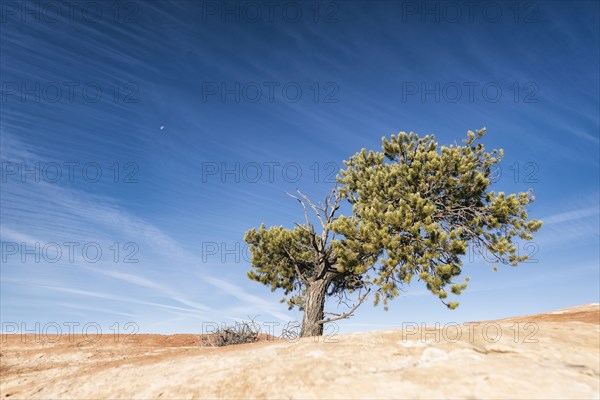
x=552, y=355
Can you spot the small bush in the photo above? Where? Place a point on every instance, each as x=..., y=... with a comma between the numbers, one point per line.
x=240, y=332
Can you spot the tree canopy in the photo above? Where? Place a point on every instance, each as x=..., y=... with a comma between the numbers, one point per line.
x=416, y=208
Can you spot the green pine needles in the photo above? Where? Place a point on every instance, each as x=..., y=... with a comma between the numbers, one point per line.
x=416, y=207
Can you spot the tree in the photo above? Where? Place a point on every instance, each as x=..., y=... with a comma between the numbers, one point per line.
x=416, y=207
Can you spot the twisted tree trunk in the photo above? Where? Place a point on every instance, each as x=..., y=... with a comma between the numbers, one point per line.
x=314, y=305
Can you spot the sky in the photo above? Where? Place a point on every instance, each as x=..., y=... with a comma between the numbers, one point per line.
x=140, y=140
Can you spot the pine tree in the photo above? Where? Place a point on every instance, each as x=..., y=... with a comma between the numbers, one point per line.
x=416, y=207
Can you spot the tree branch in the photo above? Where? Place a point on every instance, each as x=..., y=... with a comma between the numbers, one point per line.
x=349, y=313
x=303, y=206
x=301, y=277
x=313, y=206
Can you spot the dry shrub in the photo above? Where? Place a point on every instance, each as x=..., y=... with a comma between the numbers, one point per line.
x=240, y=332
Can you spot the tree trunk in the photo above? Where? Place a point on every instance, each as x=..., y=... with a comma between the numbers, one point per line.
x=314, y=305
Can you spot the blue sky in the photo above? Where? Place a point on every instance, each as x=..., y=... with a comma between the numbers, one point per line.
x=177, y=126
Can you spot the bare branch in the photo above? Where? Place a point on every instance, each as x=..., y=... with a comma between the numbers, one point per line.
x=333, y=209
x=301, y=277
x=313, y=206
x=309, y=228
x=304, y=228
x=303, y=206
x=349, y=313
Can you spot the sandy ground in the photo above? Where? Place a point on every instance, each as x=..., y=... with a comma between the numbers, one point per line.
x=552, y=355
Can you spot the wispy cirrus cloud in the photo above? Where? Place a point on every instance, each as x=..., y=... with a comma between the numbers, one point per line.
x=42, y=212
x=576, y=222
x=569, y=216
x=255, y=303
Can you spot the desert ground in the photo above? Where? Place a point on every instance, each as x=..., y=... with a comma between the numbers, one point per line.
x=551, y=355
